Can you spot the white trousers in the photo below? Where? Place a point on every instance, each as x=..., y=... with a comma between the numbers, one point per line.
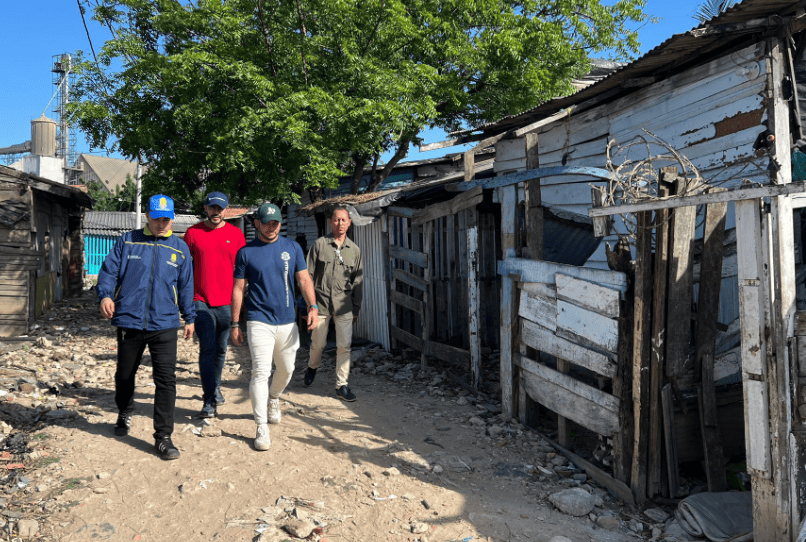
x=269, y=343
x=344, y=338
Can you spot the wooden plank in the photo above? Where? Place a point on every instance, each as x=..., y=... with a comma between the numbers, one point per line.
x=544, y=340
x=406, y=338
x=598, y=329
x=473, y=298
x=526, y=130
x=451, y=354
x=588, y=295
x=534, y=212
x=641, y=354
x=707, y=317
x=566, y=403
x=428, y=296
x=538, y=309
x=601, y=224
x=408, y=255
x=508, y=305
x=751, y=311
x=469, y=158
x=467, y=200
x=595, y=395
x=757, y=428
x=622, y=381
x=409, y=302
x=678, y=318
x=676, y=202
x=545, y=272
x=657, y=354
x=539, y=289
x=563, y=424
x=410, y=279
x=450, y=276
x=14, y=305
x=402, y=211
x=670, y=440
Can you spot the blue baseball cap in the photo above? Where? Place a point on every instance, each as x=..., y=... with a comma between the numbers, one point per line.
x=161, y=206
x=268, y=212
x=217, y=198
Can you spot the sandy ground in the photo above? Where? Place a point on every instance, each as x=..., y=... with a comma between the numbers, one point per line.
x=407, y=461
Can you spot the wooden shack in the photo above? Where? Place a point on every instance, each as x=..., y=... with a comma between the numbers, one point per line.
x=721, y=96
x=40, y=244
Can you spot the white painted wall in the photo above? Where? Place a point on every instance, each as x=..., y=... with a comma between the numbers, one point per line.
x=47, y=167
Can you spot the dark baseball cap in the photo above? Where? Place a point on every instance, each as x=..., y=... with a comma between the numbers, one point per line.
x=268, y=212
x=161, y=206
x=217, y=198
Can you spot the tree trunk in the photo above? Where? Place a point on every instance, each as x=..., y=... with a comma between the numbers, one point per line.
x=358, y=172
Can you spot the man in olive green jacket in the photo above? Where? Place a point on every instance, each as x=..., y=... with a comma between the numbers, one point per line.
x=334, y=261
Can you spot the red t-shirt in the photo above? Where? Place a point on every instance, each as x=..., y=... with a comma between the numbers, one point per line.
x=213, y=252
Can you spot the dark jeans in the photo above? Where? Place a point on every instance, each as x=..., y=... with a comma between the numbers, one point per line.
x=212, y=329
x=162, y=346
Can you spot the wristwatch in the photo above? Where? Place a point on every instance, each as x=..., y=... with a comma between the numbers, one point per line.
x=234, y=324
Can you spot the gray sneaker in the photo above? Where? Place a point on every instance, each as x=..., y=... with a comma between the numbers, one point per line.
x=262, y=440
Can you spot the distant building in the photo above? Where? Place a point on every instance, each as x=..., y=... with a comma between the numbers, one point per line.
x=109, y=172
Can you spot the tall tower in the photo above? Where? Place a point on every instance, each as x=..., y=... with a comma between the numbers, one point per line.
x=63, y=77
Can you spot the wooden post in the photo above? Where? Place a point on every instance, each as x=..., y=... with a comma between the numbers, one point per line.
x=392, y=229
x=640, y=354
x=707, y=316
x=671, y=439
x=473, y=297
x=469, y=158
x=529, y=409
x=752, y=298
x=509, y=304
x=428, y=295
x=658, y=344
x=678, y=319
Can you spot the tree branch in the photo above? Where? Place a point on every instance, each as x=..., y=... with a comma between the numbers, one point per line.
x=355, y=182
x=375, y=182
x=266, y=36
x=302, y=49
x=374, y=30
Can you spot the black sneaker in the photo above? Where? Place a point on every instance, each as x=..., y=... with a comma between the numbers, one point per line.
x=310, y=374
x=345, y=394
x=166, y=448
x=123, y=424
x=219, y=399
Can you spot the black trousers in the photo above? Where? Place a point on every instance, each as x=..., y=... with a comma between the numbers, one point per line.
x=162, y=346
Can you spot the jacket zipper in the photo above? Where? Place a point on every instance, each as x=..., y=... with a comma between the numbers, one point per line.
x=150, y=284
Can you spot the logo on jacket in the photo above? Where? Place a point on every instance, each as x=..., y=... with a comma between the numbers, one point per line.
x=173, y=261
x=285, y=256
x=173, y=257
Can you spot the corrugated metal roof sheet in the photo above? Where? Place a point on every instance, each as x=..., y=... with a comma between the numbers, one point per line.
x=678, y=53
x=117, y=223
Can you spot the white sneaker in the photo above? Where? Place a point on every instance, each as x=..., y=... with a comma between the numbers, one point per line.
x=262, y=440
x=274, y=411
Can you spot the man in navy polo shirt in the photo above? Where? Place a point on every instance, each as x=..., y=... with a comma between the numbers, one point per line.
x=270, y=264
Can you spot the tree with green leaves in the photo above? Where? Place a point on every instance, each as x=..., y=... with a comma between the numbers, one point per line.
x=121, y=199
x=260, y=99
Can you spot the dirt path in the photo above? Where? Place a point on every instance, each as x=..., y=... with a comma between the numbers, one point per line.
x=412, y=459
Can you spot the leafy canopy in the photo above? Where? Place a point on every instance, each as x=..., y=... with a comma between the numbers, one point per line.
x=261, y=98
x=122, y=199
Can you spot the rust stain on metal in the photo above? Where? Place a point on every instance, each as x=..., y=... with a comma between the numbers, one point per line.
x=738, y=122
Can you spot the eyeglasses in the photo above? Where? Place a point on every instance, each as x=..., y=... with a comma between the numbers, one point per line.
x=338, y=253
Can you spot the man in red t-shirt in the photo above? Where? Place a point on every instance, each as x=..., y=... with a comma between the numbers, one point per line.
x=213, y=244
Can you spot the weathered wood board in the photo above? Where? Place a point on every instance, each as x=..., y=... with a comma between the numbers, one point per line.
x=408, y=255
x=598, y=329
x=566, y=403
x=588, y=295
x=542, y=271
x=539, y=309
x=544, y=340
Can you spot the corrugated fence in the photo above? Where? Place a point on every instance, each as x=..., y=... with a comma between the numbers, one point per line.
x=373, y=320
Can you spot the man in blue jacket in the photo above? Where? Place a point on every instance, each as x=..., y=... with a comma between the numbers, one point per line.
x=143, y=285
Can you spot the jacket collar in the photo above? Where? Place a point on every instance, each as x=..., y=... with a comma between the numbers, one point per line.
x=146, y=231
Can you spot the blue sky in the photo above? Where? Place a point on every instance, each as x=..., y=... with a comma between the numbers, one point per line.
x=35, y=30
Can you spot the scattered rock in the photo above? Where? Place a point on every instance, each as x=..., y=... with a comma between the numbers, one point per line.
x=391, y=471
x=656, y=514
x=611, y=523
x=574, y=502
x=419, y=528
x=560, y=538
x=27, y=528
x=301, y=528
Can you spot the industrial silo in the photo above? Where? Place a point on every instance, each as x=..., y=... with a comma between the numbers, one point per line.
x=43, y=137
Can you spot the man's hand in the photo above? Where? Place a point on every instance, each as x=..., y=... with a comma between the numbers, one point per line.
x=107, y=307
x=313, y=318
x=189, y=330
x=355, y=318
x=236, y=335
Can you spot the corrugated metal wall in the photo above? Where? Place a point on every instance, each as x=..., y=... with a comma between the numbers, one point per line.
x=373, y=320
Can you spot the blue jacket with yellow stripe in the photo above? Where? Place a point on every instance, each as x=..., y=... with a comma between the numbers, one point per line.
x=150, y=279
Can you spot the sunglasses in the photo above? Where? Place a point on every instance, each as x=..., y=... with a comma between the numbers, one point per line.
x=338, y=253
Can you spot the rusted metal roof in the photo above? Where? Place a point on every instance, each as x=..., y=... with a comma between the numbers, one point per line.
x=737, y=27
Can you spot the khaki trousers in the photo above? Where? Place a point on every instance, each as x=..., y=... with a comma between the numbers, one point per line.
x=344, y=337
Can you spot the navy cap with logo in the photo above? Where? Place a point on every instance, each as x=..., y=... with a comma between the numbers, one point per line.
x=268, y=212
x=217, y=198
x=160, y=206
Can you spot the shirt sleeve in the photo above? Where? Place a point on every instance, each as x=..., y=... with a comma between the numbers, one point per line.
x=358, y=284
x=240, y=265
x=185, y=287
